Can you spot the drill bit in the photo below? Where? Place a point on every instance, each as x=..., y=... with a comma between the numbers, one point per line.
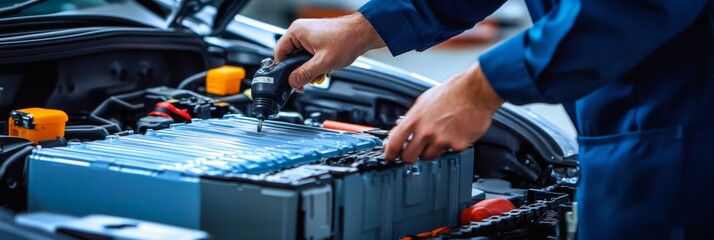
x=260, y=125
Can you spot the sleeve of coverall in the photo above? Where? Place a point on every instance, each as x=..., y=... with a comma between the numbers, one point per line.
x=406, y=25
x=581, y=45
x=574, y=49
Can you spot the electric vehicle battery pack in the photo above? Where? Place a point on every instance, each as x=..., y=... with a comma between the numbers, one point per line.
x=219, y=175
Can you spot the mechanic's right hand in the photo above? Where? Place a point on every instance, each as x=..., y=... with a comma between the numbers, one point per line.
x=334, y=43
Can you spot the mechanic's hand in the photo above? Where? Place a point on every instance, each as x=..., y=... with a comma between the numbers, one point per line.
x=335, y=43
x=450, y=116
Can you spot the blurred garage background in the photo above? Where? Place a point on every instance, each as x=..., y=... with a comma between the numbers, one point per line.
x=439, y=62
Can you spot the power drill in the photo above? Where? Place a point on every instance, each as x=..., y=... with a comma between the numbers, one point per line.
x=270, y=88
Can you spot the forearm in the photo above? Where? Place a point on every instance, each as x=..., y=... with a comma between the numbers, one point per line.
x=364, y=33
x=478, y=89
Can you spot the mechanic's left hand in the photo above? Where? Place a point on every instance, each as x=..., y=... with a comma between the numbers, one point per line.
x=450, y=116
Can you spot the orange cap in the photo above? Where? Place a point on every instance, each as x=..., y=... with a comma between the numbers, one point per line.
x=224, y=80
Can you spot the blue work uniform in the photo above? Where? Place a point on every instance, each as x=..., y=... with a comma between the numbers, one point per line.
x=638, y=76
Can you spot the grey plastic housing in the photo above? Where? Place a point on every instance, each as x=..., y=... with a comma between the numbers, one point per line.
x=105, y=227
x=403, y=201
x=232, y=210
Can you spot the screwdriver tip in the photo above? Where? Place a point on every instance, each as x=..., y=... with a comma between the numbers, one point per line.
x=260, y=125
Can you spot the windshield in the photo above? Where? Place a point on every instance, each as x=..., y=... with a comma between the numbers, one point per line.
x=147, y=12
x=55, y=6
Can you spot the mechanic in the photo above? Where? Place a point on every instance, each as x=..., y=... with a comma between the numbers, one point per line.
x=637, y=78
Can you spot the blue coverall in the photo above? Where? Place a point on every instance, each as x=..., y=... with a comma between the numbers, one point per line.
x=637, y=77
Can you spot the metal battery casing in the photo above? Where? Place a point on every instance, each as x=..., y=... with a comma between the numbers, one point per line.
x=222, y=177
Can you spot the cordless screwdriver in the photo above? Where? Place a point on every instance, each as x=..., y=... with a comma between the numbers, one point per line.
x=270, y=88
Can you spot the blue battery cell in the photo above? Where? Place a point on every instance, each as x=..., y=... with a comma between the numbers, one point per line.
x=217, y=146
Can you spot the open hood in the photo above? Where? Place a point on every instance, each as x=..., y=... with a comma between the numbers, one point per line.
x=226, y=10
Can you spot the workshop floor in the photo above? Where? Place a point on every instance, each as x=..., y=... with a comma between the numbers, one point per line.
x=440, y=63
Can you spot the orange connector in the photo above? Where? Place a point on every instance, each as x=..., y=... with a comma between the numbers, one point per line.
x=224, y=80
x=485, y=209
x=37, y=124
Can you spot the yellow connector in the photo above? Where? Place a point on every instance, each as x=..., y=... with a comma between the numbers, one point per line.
x=320, y=79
